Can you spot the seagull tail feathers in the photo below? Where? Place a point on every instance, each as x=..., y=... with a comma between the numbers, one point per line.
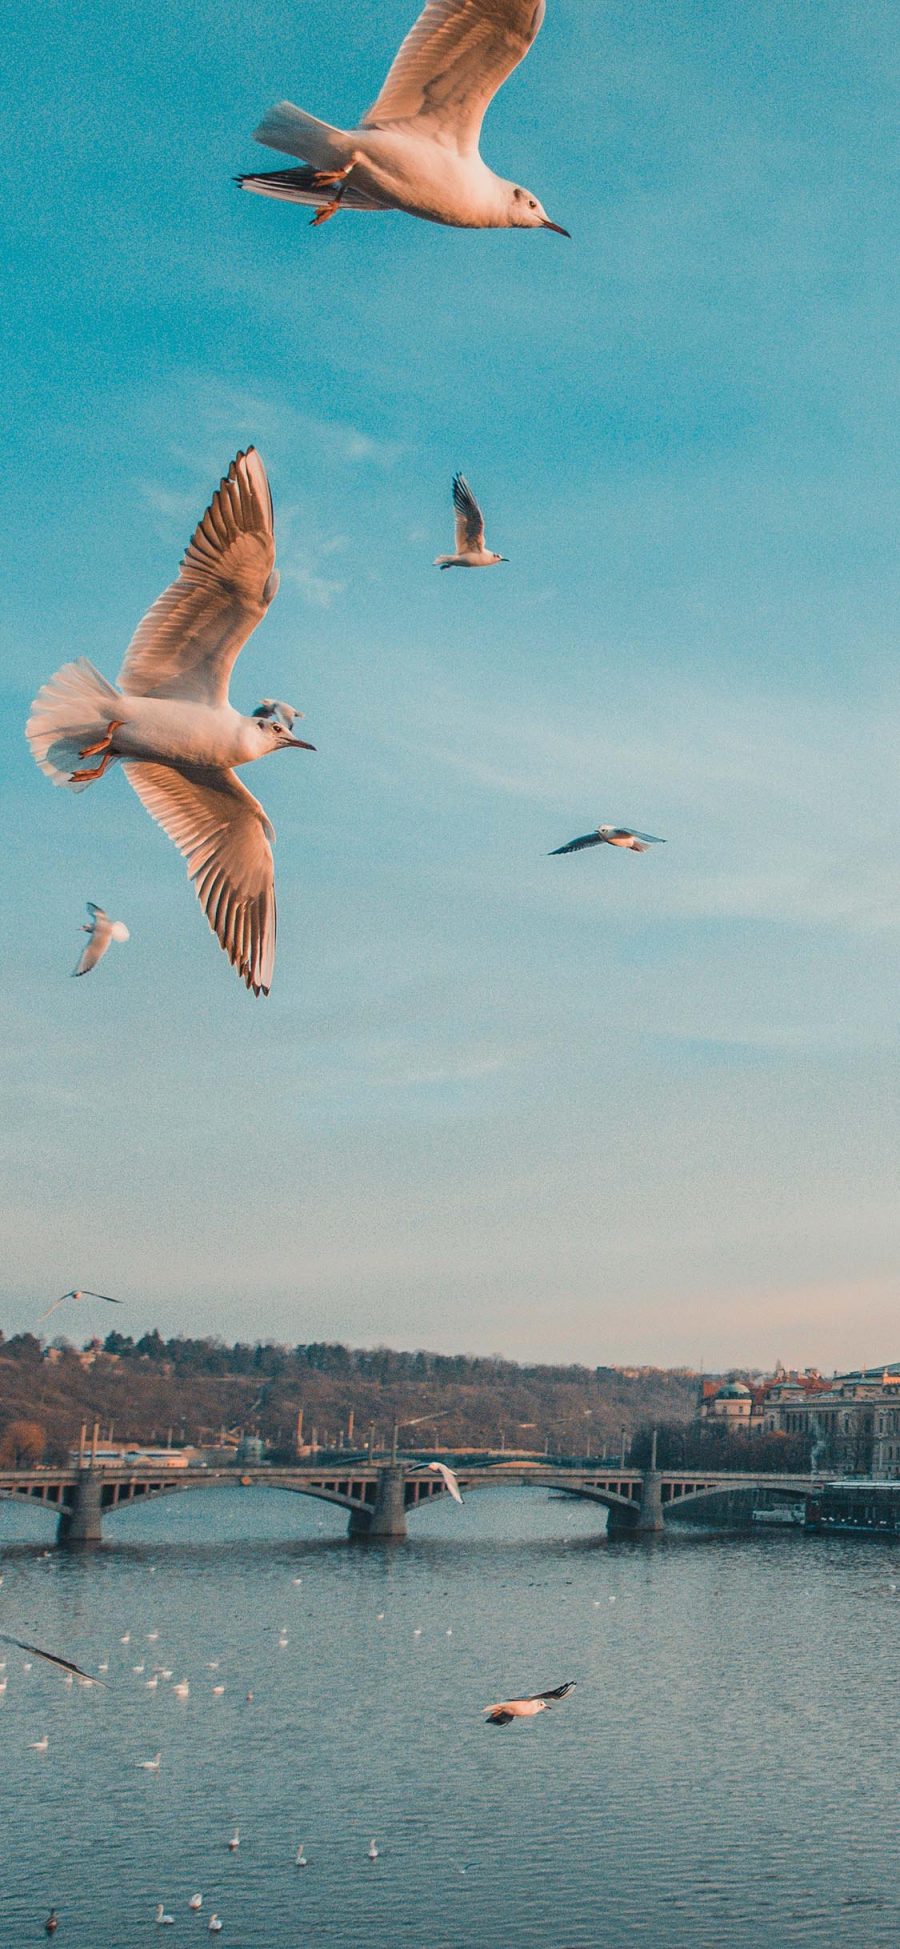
x=70, y=712
x=297, y=134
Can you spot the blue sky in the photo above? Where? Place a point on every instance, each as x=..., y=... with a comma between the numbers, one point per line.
x=599, y=1107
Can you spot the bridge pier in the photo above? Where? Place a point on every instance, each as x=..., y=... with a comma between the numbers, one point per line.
x=80, y=1520
x=650, y=1515
x=386, y=1519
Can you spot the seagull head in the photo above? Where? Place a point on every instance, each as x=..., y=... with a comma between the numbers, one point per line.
x=274, y=732
x=119, y=931
x=499, y=558
x=526, y=213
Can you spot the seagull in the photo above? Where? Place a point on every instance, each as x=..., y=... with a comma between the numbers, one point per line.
x=102, y=932
x=52, y=1923
x=417, y=148
x=50, y=1658
x=300, y=1860
x=214, y=1926
x=501, y=1715
x=163, y=1921
x=149, y=1766
x=235, y=1841
x=39, y=1745
x=372, y=1851
x=196, y=1902
x=633, y=842
x=470, y=548
x=173, y=728
x=450, y=1481
x=76, y=1295
x=181, y=1690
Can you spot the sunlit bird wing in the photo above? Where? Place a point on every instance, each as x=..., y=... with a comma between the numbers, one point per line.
x=469, y=518
x=100, y=936
x=576, y=845
x=497, y=1715
x=189, y=641
x=51, y=1658
x=224, y=835
x=450, y=1481
x=451, y=65
x=627, y=832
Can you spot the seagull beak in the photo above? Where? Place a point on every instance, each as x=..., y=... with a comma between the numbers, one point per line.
x=299, y=744
x=557, y=227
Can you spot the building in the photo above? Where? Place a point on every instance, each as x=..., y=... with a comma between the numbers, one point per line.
x=852, y=1423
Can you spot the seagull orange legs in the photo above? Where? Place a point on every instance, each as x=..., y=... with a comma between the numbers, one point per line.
x=328, y=179
x=90, y=751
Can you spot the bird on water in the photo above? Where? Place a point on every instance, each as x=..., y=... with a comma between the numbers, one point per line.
x=52, y=1923
x=632, y=842
x=173, y=728
x=470, y=549
x=509, y=1709
x=417, y=147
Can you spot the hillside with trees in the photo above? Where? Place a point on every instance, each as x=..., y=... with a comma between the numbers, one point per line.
x=191, y=1391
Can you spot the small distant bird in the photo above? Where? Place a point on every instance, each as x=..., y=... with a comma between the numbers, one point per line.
x=51, y=1658
x=173, y=727
x=103, y=932
x=214, y=1926
x=470, y=549
x=196, y=1902
x=633, y=842
x=372, y=1851
x=235, y=1841
x=300, y=1860
x=137, y=1670
x=163, y=1921
x=181, y=1690
x=39, y=1745
x=217, y=1691
x=126, y=1635
x=417, y=148
x=74, y=1295
x=149, y=1766
x=508, y=1709
x=52, y=1923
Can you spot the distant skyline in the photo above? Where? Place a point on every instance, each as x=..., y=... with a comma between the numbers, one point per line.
x=603, y=1108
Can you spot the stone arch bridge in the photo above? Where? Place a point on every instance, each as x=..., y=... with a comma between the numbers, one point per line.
x=379, y=1496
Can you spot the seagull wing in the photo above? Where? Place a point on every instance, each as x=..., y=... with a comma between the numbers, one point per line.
x=469, y=518
x=51, y=1658
x=52, y=1309
x=451, y=65
x=100, y=937
x=576, y=845
x=647, y=837
x=188, y=642
x=559, y=1691
x=224, y=835
x=497, y=1715
x=107, y=1296
x=450, y=1481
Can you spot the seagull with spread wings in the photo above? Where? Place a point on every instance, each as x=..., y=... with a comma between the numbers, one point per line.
x=417, y=148
x=102, y=932
x=173, y=727
x=509, y=1709
x=632, y=842
x=470, y=548
x=77, y=1293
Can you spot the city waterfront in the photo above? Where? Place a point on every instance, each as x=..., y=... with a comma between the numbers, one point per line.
x=723, y=1769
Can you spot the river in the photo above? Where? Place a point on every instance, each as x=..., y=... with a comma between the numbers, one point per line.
x=725, y=1772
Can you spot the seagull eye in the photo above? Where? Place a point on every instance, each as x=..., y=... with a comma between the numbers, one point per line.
x=531, y=203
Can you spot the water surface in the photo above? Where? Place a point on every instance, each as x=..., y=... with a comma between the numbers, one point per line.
x=725, y=1771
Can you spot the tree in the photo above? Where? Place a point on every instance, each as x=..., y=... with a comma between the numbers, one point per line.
x=22, y=1444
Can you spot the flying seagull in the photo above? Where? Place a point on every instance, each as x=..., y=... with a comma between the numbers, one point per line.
x=470, y=548
x=634, y=842
x=501, y=1715
x=172, y=725
x=450, y=1481
x=81, y=1294
x=102, y=932
x=51, y=1658
x=417, y=148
